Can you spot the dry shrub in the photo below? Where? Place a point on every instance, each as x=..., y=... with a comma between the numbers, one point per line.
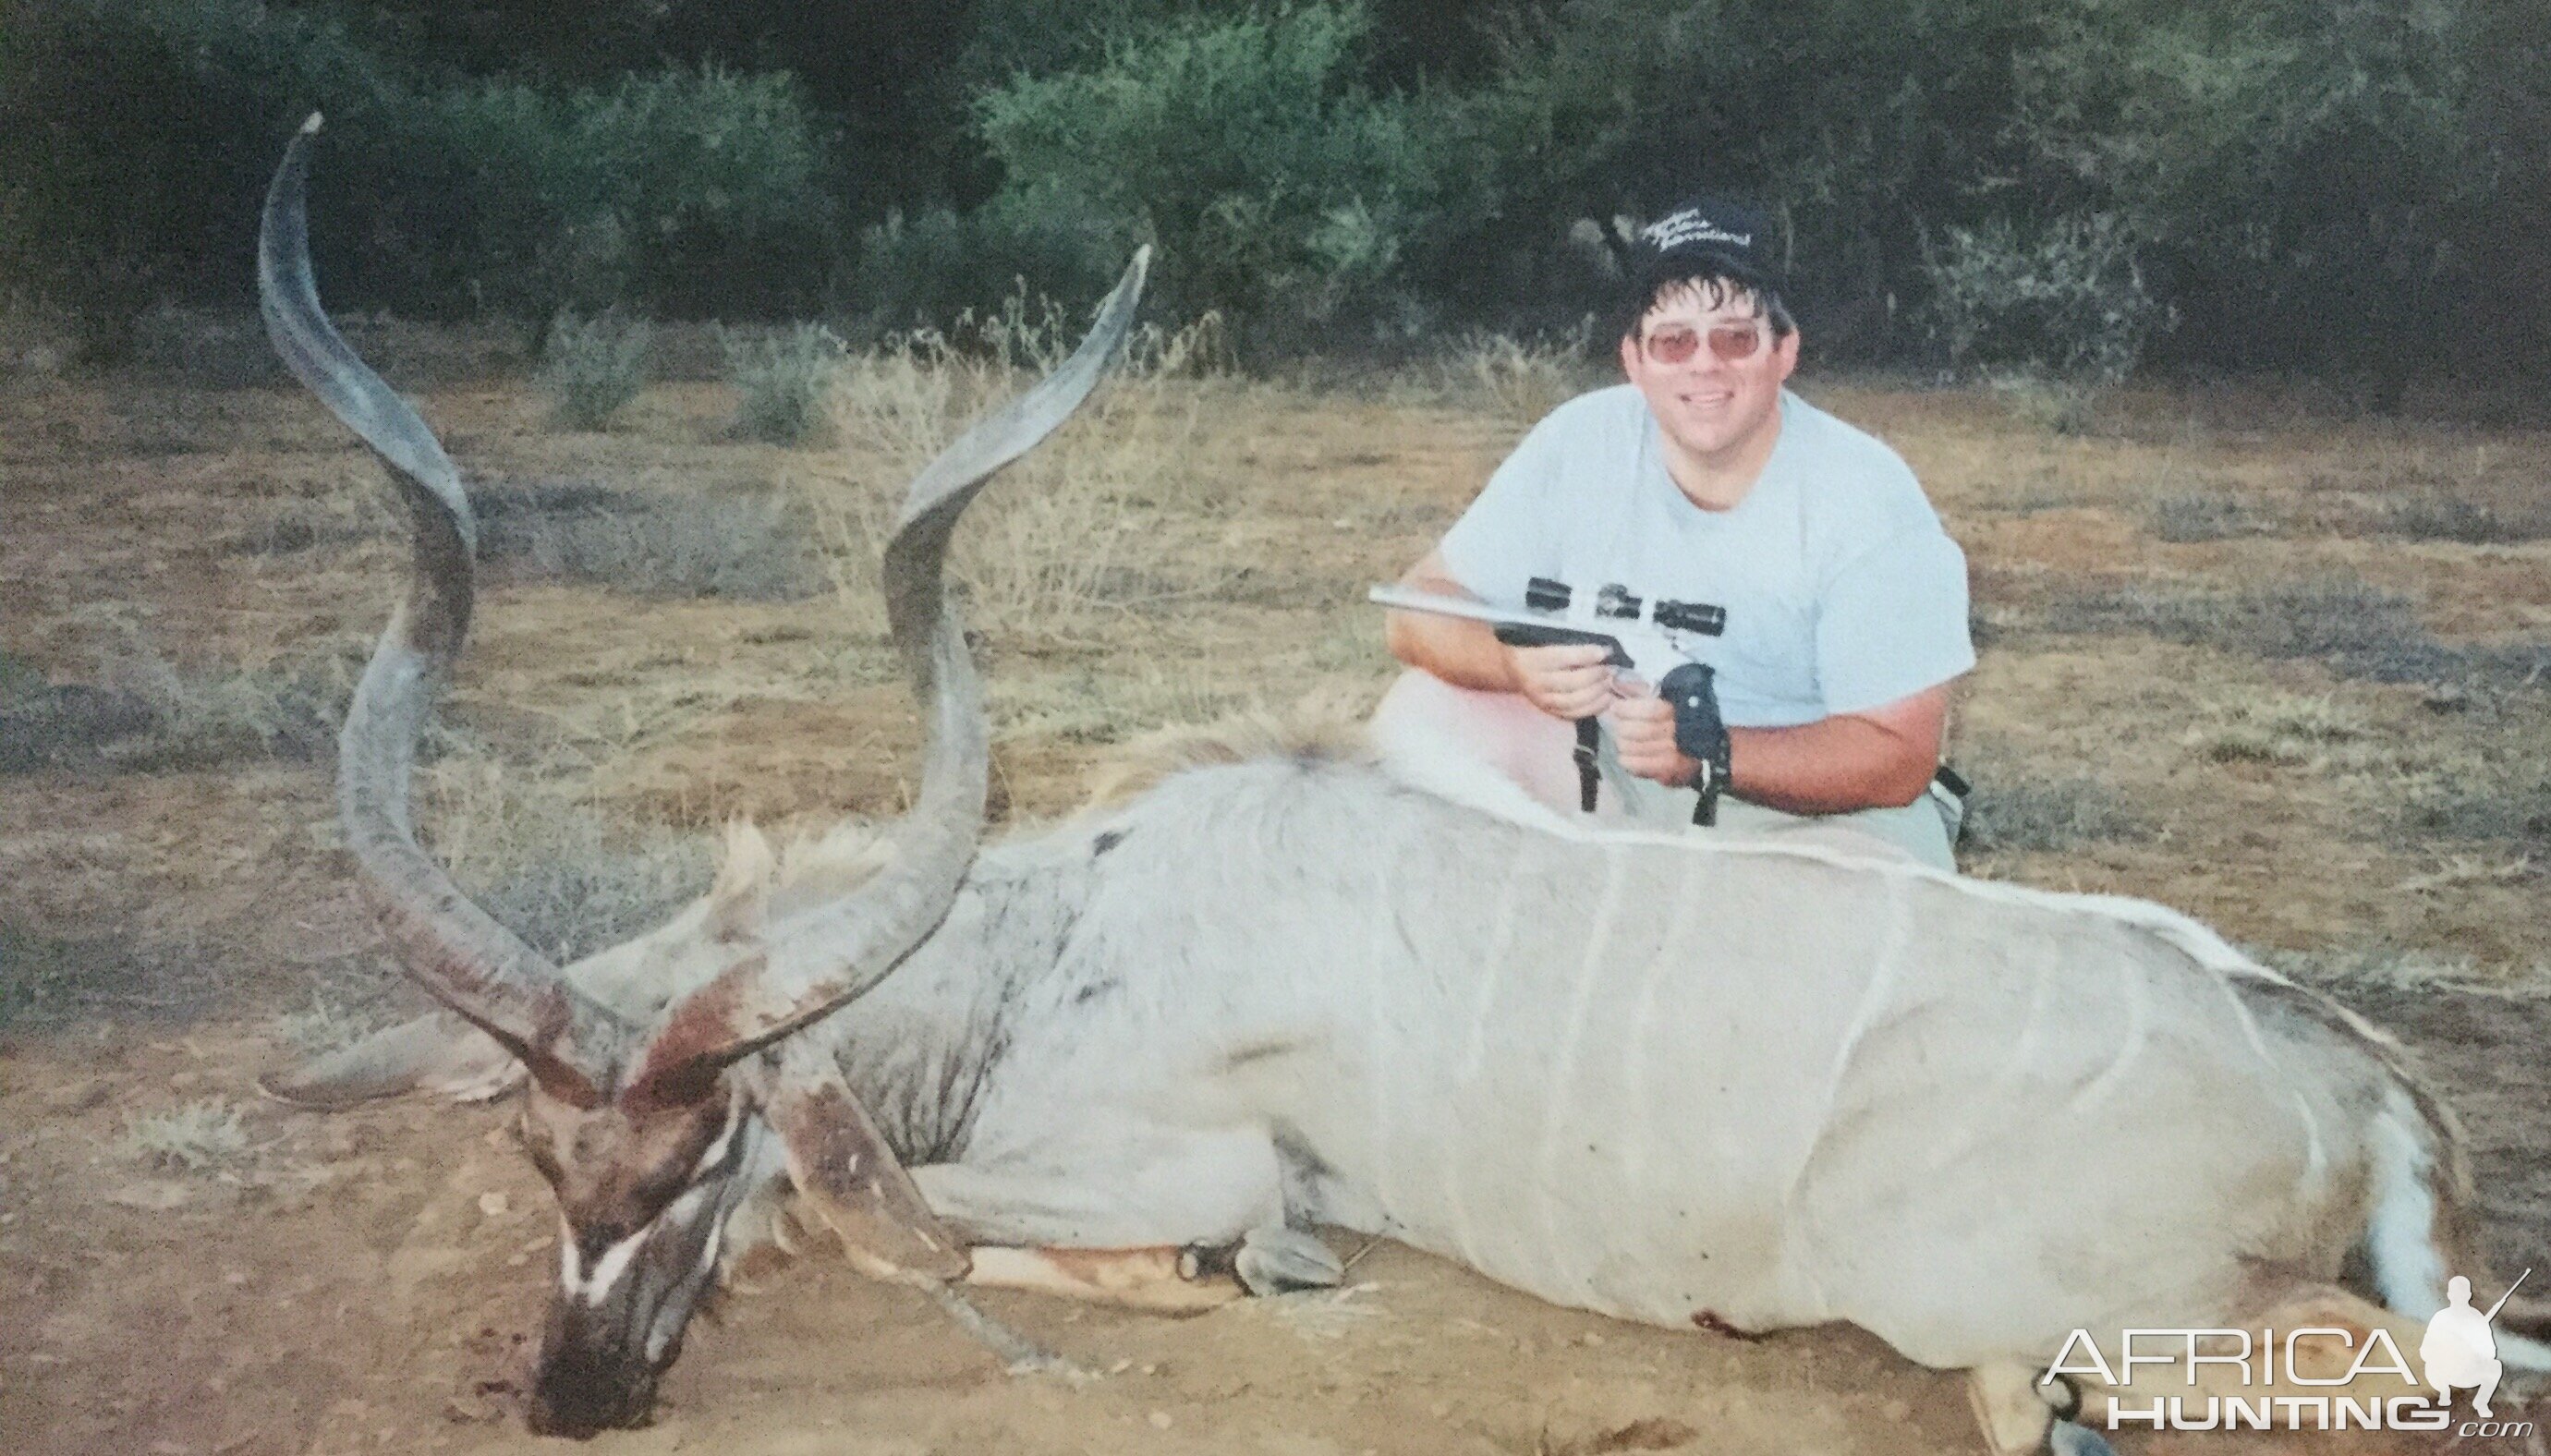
x=2362, y=966
x=202, y=1137
x=753, y=547
x=1518, y=379
x=2506, y=803
x=2436, y=516
x=1111, y=705
x=782, y=380
x=47, y=980
x=351, y=511
x=1060, y=543
x=2202, y=515
x=546, y=865
x=2044, y=402
x=146, y=713
x=591, y=368
x=2358, y=630
x=2283, y=729
x=2015, y=808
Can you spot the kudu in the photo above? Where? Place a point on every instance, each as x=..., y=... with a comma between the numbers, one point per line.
x=1674, y=1080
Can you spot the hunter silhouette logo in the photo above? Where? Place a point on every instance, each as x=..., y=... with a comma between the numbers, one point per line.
x=2458, y=1349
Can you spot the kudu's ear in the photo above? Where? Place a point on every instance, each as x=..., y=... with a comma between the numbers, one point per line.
x=437, y=1052
x=845, y=1172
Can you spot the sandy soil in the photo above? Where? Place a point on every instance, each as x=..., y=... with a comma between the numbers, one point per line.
x=370, y=1282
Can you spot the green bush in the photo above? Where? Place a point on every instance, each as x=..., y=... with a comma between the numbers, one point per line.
x=591, y=368
x=2315, y=173
x=136, y=138
x=784, y=382
x=932, y=266
x=2061, y=309
x=1279, y=190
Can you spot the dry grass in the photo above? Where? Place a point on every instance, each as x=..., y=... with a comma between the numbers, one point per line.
x=751, y=548
x=2199, y=515
x=323, y=1026
x=146, y=713
x=1518, y=379
x=591, y=368
x=1060, y=551
x=2436, y=516
x=2015, y=809
x=2285, y=729
x=52, y=979
x=548, y=863
x=2357, y=630
x=2505, y=802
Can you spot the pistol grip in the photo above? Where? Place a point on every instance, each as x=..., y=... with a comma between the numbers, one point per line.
x=1533, y=634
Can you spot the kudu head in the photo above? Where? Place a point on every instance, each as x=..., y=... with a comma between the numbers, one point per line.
x=642, y=1123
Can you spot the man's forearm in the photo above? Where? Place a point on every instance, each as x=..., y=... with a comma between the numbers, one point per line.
x=1464, y=654
x=1830, y=766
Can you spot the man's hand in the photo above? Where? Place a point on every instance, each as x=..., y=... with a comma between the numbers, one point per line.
x=1568, y=681
x=1643, y=735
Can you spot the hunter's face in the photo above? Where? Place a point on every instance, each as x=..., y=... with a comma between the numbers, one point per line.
x=1711, y=370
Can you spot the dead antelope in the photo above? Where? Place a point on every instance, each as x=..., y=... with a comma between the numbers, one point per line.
x=1751, y=1086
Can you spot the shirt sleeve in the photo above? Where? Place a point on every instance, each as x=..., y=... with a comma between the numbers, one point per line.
x=1893, y=622
x=1503, y=540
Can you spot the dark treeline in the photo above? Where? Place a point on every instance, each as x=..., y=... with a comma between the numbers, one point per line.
x=2359, y=188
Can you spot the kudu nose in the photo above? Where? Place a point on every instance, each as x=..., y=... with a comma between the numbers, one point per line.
x=582, y=1394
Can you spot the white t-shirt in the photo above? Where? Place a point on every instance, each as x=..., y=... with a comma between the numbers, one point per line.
x=1842, y=591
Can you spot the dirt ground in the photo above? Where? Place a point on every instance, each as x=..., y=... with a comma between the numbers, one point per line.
x=371, y=1282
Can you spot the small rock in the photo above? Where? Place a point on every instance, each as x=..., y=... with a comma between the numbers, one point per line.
x=80, y=1097
x=493, y=1204
x=2445, y=697
x=1160, y=1419
x=184, y=1081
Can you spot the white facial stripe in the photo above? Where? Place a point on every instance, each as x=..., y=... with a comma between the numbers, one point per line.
x=607, y=1270
x=667, y=1321
x=688, y=1204
x=716, y=1149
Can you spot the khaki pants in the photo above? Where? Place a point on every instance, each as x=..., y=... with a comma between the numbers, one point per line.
x=1536, y=751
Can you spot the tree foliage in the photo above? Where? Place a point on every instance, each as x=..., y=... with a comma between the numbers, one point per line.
x=2361, y=187
x=1276, y=184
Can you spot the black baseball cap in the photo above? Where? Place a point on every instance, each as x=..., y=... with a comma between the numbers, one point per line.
x=1729, y=237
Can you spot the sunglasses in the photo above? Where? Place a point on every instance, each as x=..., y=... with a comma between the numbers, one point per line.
x=1728, y=342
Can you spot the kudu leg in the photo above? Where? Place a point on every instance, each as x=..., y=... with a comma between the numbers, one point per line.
x=1167, y=1279
x=1181, y=1279
x=2020, y=1417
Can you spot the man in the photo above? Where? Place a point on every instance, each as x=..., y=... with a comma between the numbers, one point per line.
x=1702, y=479
x=2459, y=1351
